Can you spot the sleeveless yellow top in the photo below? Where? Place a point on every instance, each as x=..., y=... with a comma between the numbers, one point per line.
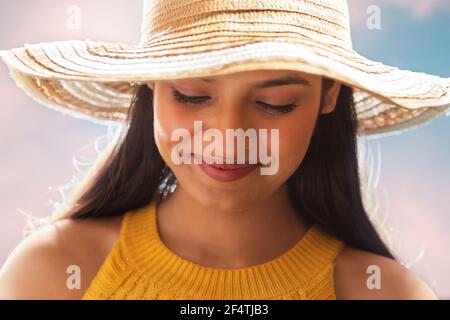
x=140, y=266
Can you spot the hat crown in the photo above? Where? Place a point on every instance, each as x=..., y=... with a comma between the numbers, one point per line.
x=328, y=19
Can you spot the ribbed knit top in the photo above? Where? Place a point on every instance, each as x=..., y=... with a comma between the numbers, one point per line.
x=141, y=266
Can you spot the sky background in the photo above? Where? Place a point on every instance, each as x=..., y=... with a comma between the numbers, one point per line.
x=38, y=145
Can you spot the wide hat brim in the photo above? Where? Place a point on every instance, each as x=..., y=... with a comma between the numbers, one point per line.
x=94, y=80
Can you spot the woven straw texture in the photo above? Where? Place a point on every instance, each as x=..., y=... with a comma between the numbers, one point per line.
x=94, y=80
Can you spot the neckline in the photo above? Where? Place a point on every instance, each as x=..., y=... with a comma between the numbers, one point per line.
x=165, y=269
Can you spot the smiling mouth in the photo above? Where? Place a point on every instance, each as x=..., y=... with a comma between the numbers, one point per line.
x=224, y=166
x=232, y=166
x=226, y=172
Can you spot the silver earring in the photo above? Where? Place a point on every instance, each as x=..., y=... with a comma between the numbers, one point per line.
x=136, y=83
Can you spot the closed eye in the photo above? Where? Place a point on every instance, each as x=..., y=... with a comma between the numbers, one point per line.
x=278, y=108
x=182, y=98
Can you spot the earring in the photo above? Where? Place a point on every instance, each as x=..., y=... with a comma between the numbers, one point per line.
x=136, y=83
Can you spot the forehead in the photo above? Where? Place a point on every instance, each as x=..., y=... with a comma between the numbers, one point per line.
x=254, y=75
x=257, y=79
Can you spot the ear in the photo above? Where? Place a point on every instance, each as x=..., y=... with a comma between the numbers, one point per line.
x=330, y=93
x=150, y=84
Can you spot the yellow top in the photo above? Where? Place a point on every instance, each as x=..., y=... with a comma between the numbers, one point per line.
x=140, y=266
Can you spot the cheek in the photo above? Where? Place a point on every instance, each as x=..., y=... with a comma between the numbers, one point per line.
x=167, y=118
x=295, y=137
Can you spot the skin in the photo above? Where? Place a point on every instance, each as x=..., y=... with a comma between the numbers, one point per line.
x=244, y=217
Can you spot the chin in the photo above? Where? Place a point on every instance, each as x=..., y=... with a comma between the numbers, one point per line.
x=225, y=199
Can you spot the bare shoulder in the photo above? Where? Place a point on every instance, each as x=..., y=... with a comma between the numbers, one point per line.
x=39, y=267
x=364, y=275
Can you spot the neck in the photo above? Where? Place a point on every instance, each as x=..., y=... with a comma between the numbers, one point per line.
x=229, y=239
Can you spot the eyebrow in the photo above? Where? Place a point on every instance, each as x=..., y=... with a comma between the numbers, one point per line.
x=273, y=82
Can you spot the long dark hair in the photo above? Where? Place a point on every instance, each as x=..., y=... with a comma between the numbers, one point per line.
x=325, y=189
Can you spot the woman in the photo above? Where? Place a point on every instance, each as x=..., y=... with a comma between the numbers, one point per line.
x=146, y=225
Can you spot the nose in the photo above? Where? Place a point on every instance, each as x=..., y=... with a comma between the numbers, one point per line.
x=230, y=117
x=233, y=117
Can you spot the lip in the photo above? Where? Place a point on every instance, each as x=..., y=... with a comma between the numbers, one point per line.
x=227, y=175
x=227, y=172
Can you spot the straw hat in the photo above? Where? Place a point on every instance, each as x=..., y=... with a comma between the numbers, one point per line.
x=194, y=38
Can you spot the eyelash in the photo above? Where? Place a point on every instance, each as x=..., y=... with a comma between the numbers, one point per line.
x=181, y=98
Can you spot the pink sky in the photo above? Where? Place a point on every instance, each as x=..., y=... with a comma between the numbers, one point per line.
x=421, y=8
